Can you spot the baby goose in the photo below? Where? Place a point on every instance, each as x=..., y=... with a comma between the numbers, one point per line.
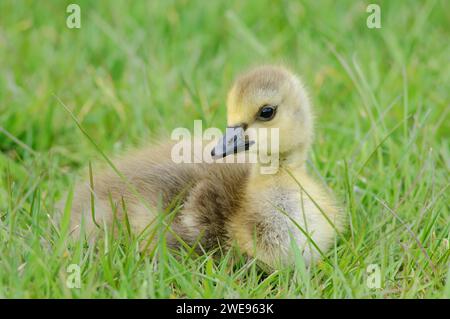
x=264, y=214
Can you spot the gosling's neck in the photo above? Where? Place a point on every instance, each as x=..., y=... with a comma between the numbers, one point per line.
x=291, y=161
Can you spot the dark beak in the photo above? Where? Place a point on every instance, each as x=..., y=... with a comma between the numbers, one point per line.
x=234, y=141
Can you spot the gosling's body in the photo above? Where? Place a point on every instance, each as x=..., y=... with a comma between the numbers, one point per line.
x=209, y=195
x=264, y=214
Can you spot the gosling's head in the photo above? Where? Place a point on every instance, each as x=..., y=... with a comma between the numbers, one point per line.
x=268, y=97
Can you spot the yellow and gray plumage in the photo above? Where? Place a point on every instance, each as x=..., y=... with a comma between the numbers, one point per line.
x=230, y=203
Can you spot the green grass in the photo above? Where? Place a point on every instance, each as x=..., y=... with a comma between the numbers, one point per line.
x=137, y=70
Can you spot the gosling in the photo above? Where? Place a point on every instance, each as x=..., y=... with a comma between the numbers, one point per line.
x=224, y=204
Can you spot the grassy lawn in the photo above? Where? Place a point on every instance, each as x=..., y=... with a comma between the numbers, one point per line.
x=136, y=70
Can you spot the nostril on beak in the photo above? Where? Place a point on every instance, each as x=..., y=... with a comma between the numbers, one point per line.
x=213, y=152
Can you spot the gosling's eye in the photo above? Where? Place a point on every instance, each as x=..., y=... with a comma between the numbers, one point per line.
x=267, y=113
